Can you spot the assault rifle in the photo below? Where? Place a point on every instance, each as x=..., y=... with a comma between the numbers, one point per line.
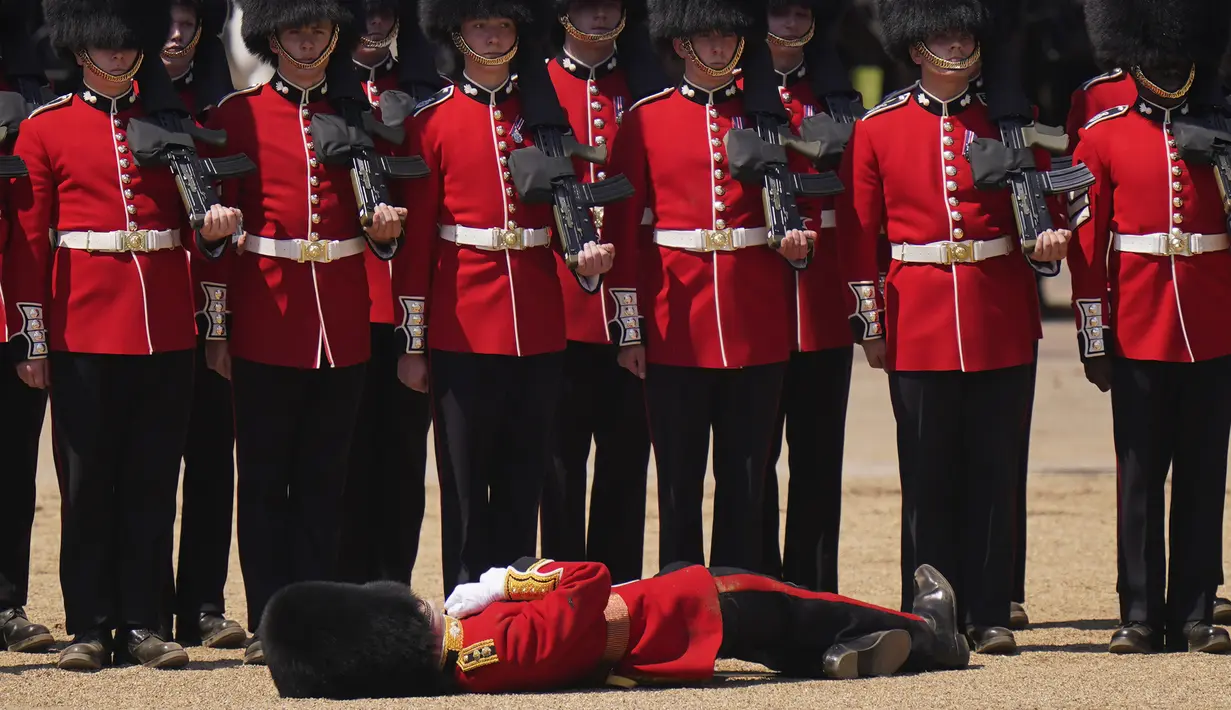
x=1206, y=138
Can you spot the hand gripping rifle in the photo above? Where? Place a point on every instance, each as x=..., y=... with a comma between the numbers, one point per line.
x=166, y=135
x=759, y=154
x=544, y=171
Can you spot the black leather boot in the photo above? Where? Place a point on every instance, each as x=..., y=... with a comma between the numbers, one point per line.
x=17, y=634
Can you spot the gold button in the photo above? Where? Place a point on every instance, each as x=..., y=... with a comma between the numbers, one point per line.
x=132, y=209
x=316, y=199
x=717, y=157
x=953, y=201
x=500, y=130
x=950, y=170
x=123, y=162
x=593, y=90
x=119, y=136
x=504, y=160
x=126, y=179
x=1177, y=232
x=118, y=123
x=508, y=175
x=307, y=130
x=948, y=155
x=596, y=106
x=1175, y=155
x=498, y=115
x=304, y=113
x=1176, y=186
x=512, y=224
x=313, y=236
x=957, y=216
x=720, y=207
x=1177, y=218
x=121, y=149
x=601, y=175
x=786, y=96
x=713, y=113
x=312, y=162
x=948, y=126
x=1176, y=170
x=512, y=208
x=948, y=140
x=715, y=142
x=719, y=190
x=958, y=234
x=951, y=186
x=600, y=140
x=718, y=175
x=599, y=123
x=713, y=128
x=508, y=191
x=1171, y=144
x=1177, y=202
x=128, y=195
x=314, y=181
x=720, y=224
x=502, y=145
x=311, y=146
x=132, y=226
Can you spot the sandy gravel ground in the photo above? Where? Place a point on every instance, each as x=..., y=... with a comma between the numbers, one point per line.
x=1062, y=661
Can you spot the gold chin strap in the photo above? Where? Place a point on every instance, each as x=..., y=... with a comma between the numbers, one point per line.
x=173, y=54
x=384, y=43
x=98, y=71
x=725, y=71
x=966, y=63
x=460, y=43
x=793, y=43
x=302, y=66
x=1158, y=90
x=577, y=34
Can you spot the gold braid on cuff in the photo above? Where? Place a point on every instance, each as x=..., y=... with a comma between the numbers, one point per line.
x=302, y=66
x=793, y=43
x=966, y=63
x=1159, y=91
x=98, y=71
x=179, y=54
x=460, y=43
x=577, y=34
x=385, y=42
x=725, y=71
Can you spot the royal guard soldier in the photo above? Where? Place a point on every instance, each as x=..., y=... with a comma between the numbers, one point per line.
x=297, y=338
x=604, y=64
x=478, y=298
x=385, y=488
x=713, y=295
x=106, y=321
x=812, y=410
x=541, y=625
x=967, y=362
x=25, y=407
x=1149, y=289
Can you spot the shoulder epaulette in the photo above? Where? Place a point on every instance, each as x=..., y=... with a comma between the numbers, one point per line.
x=1109, y=76
x=893, y=101
x=241, y=92
x=436, y=98
x=653, y=97
x=1101, y=116
x=54, y=103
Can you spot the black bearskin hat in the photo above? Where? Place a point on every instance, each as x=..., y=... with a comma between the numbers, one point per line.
x=670, y=19
x=635, y=9
x=1158, y=34
x=348, y=641
x=107, y=24
x=211, y=14
x=441, y=18
x=263, y=18
x=904, y=22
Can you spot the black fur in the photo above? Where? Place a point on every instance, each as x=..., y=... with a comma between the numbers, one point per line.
x=107, y=24
x=440, y=18
x=1158, y=34
x=347, y=641
x=635, y=9
x=670, y=19
x=263, y=18
x=904, y=22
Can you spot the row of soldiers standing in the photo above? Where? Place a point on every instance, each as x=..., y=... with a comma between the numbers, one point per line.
x=714, y=332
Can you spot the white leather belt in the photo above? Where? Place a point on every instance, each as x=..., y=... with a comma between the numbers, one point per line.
x=964, y=252
x=712, y=239
x=495, y=238
x=1173, y=244
x=138, y=240
x=321, y=251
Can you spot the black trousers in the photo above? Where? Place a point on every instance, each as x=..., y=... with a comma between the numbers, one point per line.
x=385, y=486
x=605, y=402
x=813, y=414
x=293, y=432
x=1019, y=500
x=25, y=409
x=1177, y=416
x=741, y=407
x=120, y=424
x=207, y=506
x=958, y=440
x=493, y=417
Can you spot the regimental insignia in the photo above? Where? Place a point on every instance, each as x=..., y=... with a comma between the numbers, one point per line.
x=1104, y=115
x=531, y=584
x=477, y=655
x=1079, y=208
x=454, y=638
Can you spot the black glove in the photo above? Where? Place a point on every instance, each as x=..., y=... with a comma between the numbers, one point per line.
x=1098, y=372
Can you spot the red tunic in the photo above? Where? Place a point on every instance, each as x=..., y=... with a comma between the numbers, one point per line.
x=1115, y=88
x=83, y=178
x=283, y=312
x=716, y=309
x=555, y=635
x=1167, y=308
x=905, y=168
x=379, y=79
x=473, y=300
x=595, y=99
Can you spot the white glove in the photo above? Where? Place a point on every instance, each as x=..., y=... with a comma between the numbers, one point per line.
x=469, y=599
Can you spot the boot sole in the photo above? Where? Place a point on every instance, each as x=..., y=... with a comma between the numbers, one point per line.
x=999, y=646
x=78, y=662
x=1018, y=621
x=1221, y=645
x=233, y=637
x=1222, y=616
x=878, y=654
x=38, y=642
x=254, y=659
x=170, y=659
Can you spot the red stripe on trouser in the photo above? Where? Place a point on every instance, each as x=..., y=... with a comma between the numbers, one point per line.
x=758, y=583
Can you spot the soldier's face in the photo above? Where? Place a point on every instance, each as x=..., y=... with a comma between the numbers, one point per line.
x=490, y=37
x=112, y=61
x=715, y=49
x=790, y=22
x=953, y=46
x=380, y=24
x=183, y=29
x=595, y=17
x=306, y=44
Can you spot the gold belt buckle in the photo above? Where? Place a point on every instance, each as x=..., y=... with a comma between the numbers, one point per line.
x=1179, y=244
x=719, y=239
x=510, y=238
x=137, y=240
x=314, y=251
x=958, y=253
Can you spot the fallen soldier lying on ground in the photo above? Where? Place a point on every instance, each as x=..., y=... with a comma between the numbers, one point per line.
x=544, y=625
